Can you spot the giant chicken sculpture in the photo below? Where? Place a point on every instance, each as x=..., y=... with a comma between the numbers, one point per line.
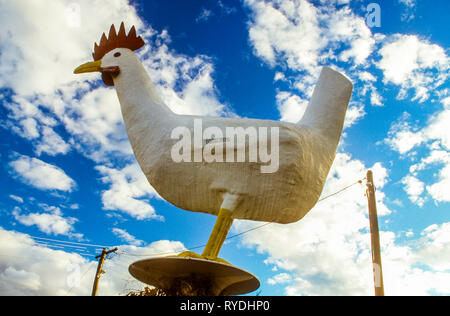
x=230, y=190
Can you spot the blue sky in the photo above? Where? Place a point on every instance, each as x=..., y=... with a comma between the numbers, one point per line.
x=69, y=174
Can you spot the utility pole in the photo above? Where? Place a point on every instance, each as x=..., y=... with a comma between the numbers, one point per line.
x=99, y=268
x=374, y=236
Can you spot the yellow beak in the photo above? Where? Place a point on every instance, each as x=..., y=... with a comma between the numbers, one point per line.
x=92, y=66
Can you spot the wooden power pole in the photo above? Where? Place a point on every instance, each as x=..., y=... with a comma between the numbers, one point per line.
x=100, y=268
x=375, y=236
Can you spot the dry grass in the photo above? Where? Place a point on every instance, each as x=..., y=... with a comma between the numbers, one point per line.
x=188, y=286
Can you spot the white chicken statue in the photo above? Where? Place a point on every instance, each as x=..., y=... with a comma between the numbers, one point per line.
x=230, y=190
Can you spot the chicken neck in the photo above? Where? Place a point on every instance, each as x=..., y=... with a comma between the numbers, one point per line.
x=328, y=105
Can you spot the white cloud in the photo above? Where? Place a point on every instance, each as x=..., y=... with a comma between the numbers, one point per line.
x=277, y=28
x=185, y=83
x=437, y=128
x=369, y=81
x=328, y=251
x=280, y=278
x=435, y=134
x=434, y=249
x=291, y=106
x=33, y=125
x=129, y=192
x=96, y=123
x=439, y=190
x=346, y=27
x=29, y=128
x=402, y=274
x=438, y=134
x=409, y=3
x=43, y=271
x=402, y=138
x=48, y=98
x=38, y=56
x=375, y=98
x=16, y=198
x=204, y=16
x=43, y=76
x=409, y=10
x=366, y=76
x=422, y=267
x=20, y=280
x=74, y=206
x=51, y=144
x=304, y=36
x=40, y=270
x=53, y=223
x=225, y=9
x=93, y=117
x=40, y=174
x=28, y=66
x=279, y=76
x=354, y=113
x=409, y=62
x=380, y=175
x=125, y=236
x=414, y=188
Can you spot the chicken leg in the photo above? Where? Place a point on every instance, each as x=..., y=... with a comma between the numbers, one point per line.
x=220, y=231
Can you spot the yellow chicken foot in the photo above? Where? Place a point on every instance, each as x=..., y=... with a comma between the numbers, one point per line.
x=219, y=234
x=216, y=239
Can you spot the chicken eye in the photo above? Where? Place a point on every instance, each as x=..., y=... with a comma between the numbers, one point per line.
x=117, y=55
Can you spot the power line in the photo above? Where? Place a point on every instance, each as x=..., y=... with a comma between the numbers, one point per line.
x=249, y=230
x=69, y=242
x=78, y=246
x=68, y=248
x=60, y=244
x=74, y=247
x=341, y=190
x=246, y=231
x=322, y=199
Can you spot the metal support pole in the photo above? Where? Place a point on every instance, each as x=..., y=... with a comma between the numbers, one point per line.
x=375, y=236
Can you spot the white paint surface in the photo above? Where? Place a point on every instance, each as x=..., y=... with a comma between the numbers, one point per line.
x=307, y=149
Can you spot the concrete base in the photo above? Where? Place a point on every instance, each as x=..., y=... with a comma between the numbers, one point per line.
x=222, y=279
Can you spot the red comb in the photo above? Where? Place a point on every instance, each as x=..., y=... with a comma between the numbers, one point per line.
x=114, y=40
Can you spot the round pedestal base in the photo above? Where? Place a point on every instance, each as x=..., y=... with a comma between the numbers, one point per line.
x=218, y=278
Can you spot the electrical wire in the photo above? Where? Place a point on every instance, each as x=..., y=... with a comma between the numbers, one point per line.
x=243, y=232
x=74, y=247
x=69, y=244
x=77, y=247
x=60, y=245
x=47, y=242
x=65, y=247
x=341, y=190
